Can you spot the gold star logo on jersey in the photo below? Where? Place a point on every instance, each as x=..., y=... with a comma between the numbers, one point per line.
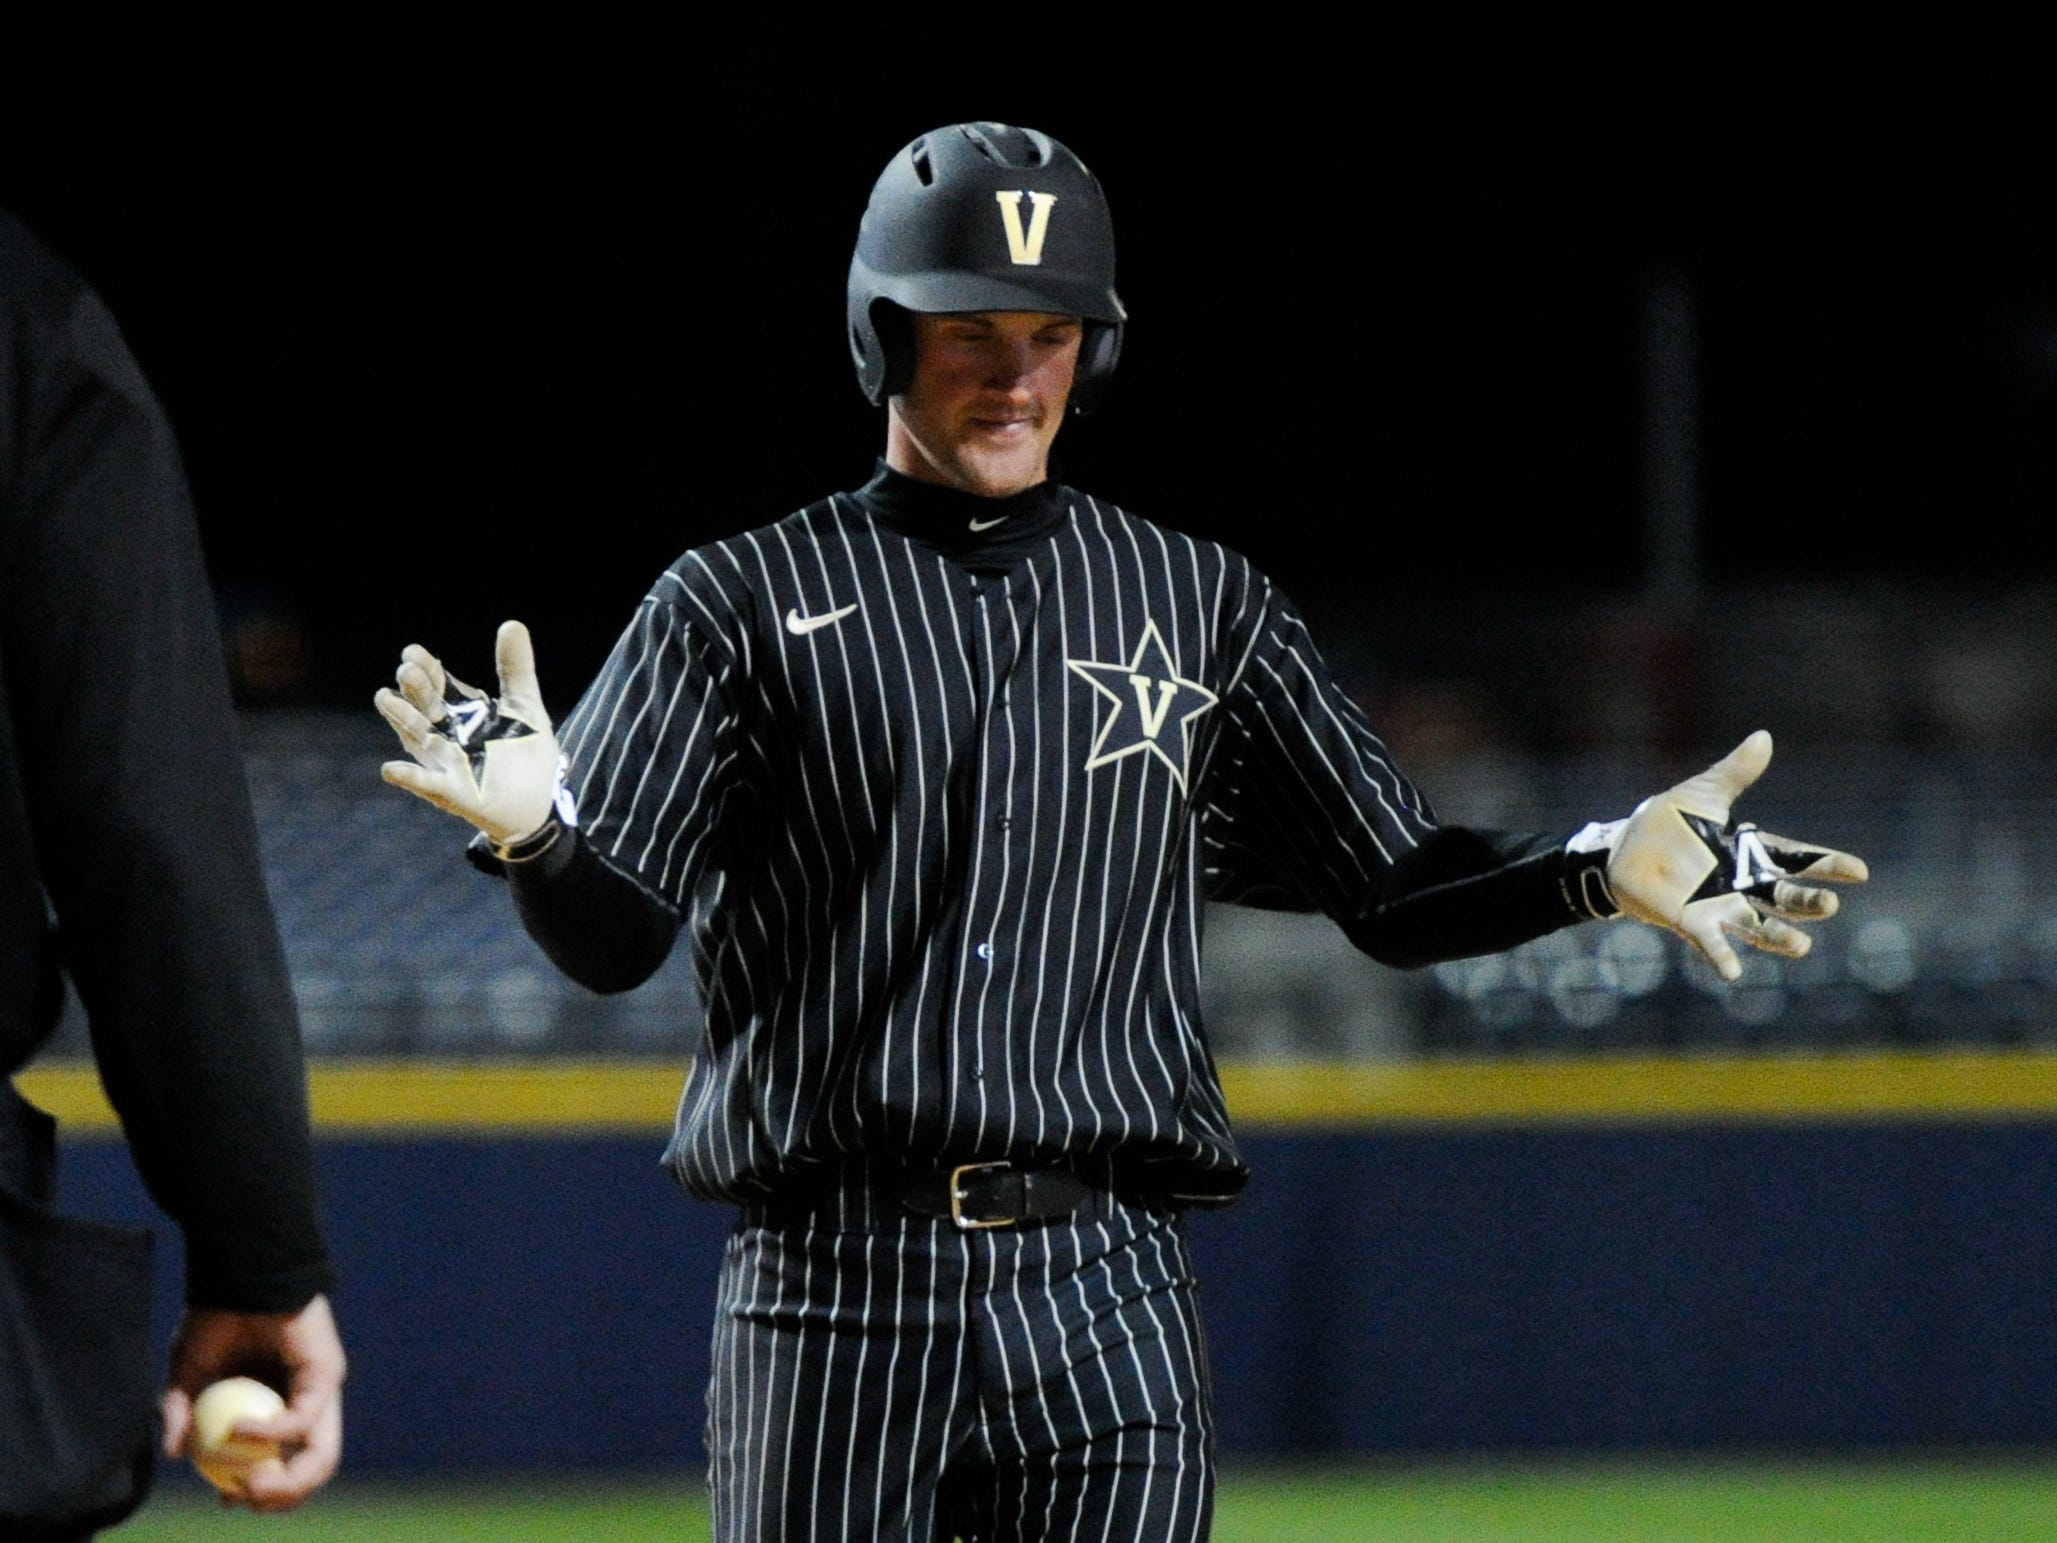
x=1154, y=705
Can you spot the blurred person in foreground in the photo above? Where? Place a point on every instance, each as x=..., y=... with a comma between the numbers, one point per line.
x=129, y=863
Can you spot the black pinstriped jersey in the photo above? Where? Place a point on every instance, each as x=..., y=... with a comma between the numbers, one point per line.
x=938, y=785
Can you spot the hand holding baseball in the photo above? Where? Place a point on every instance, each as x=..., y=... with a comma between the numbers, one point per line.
x=269, y=1461
x=494, y=762
x=1679, y=862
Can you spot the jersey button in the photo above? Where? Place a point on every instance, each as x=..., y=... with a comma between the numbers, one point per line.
x=1006, y=823
x=984, y=950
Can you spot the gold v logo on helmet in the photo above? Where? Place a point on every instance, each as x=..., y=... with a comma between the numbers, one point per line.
x=1025, y=250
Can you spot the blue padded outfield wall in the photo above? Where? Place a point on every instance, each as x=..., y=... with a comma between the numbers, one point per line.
x=540, y=1297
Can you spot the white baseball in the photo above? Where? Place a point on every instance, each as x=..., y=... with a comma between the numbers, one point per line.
x=225, y=1459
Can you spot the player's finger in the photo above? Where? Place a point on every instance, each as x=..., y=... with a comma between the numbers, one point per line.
x=424, y=690
x=1813, y=862
x=515, y=656
x=408, y=721
x=412, y=776
x=430, y=749
x=1703, y=926
x=422, y=782
x=1774, y=936
x=1802, y=902
x=417, y=662
x=414, y=654
x=1729, y=776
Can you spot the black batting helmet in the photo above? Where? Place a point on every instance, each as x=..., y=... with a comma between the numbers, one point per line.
x=983, y=217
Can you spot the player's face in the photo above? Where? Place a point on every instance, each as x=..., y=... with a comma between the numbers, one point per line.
x=987, y=398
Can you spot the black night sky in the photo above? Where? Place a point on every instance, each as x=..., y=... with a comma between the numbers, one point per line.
x=450, y=334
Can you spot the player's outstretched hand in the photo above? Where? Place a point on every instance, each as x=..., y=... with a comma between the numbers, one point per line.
x=492, y=761
x=1680, y=861
x=299, y=1352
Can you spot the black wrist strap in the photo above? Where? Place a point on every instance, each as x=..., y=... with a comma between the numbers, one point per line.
x=551, y=839
x=535, y=843
x=1584, y=883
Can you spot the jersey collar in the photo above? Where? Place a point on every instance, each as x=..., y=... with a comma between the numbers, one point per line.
x=963, y=525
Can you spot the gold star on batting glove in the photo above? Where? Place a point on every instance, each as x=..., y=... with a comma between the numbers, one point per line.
x=491, y=761
x=1679, y=862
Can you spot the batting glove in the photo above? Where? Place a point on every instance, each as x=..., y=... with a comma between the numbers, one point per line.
x=1681, y=862
x=492, y=761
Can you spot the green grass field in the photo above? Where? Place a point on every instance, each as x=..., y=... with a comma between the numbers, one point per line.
x=1871, y=1501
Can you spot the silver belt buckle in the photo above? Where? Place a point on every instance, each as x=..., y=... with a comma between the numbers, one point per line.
x=958, y=1219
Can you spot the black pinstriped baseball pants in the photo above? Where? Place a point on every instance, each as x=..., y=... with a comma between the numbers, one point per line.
x=884, y=1376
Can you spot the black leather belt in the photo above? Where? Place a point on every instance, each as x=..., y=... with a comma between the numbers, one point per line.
x=976, y=1196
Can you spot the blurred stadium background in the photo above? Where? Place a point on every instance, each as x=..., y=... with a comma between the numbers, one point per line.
x=1618, y=428
x=399, y=950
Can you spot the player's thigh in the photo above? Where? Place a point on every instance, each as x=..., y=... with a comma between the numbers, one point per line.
x=1104, y=1427
x=837, y=1356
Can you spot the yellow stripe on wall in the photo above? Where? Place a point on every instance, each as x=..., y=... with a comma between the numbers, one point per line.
x=1645, y=1090
x=595, y=1097
x=430, y=1097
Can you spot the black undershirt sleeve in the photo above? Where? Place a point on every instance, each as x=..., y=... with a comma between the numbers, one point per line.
x=595, y=921
x=1464, y=892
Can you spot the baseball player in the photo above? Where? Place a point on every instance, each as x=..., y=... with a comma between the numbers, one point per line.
x=936, y=774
